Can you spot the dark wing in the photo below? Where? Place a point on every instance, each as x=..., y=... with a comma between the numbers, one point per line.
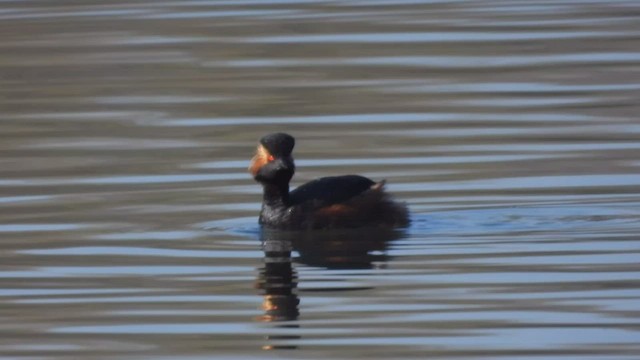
x=330, y=190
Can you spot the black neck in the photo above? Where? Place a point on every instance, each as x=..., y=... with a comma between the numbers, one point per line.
x=276, y=195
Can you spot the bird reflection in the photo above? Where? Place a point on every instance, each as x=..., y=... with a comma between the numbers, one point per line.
x=278, y=280
x=344, y=249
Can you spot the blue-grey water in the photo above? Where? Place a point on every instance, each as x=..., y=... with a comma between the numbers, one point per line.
x=128, y=221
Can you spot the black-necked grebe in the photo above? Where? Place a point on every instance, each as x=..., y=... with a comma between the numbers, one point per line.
x=348, y=201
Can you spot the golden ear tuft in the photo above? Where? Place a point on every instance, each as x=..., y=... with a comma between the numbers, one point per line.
x=261, y=157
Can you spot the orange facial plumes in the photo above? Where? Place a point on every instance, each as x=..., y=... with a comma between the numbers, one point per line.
x=261, y=157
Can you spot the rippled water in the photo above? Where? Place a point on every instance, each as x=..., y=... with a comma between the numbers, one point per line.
x=128, y=219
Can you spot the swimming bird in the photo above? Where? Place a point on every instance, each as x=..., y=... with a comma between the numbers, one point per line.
x=335, y=202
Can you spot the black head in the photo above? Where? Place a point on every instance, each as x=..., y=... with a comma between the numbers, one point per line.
x=278, y=144
x=273, y=163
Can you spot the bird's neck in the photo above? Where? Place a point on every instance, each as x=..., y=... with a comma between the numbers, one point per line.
x=275, y=195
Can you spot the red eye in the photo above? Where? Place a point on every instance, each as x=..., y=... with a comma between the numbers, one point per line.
x=270, y=158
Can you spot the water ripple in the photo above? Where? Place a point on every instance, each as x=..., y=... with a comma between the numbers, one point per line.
x=438, y=37
x=509, y=128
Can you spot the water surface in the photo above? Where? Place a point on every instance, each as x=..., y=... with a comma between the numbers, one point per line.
x=128, y=219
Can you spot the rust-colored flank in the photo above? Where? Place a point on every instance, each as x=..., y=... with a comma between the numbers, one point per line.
x=335, y=210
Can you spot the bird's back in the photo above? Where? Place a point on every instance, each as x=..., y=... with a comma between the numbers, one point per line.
x=344, y=202
x=330, y=190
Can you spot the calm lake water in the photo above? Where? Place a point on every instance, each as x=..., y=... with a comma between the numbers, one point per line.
x=128, y=220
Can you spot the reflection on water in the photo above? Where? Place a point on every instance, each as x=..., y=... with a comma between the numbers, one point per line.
x=128, y=222
x=279, y=282
x=362, y=249
x=337, y=249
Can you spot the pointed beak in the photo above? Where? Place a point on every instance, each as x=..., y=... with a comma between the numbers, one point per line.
x=280, y=164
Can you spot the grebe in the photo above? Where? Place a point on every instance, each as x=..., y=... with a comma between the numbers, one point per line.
x=335, y=202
